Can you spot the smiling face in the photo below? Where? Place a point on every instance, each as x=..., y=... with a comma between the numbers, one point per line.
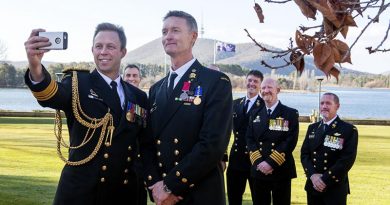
x=328, y=107
x=253, y=85
x=269, y=91
x=132, y=76
x=177, y=37
x=107, y=53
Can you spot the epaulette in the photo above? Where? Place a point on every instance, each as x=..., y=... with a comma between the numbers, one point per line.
x=70, y=69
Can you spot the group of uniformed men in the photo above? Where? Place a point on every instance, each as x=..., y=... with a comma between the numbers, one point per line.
x=175, y=140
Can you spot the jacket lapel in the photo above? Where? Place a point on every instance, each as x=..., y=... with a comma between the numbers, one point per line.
x=104, y=91
x=129, y=98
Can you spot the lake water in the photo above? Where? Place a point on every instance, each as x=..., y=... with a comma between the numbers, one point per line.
x=359, y=103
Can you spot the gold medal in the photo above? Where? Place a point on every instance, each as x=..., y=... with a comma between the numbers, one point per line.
x=128, y=116
x=197, y=100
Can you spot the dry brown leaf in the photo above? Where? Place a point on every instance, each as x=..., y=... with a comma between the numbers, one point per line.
x=334, y=72
x=336, y=53
x=304, y=42
x=349, y=21
x=326, y=10
x=259, y=12
x=329, y=28
x=298, y=61
x=343, y=50
x=321, y=53
x=328, y=64
x=306, y=8
x=344, y=31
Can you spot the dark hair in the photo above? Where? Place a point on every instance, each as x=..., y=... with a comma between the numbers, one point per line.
x=111, y=27
x=191, y=22
x=256, y=73
x=132, y=66
x=335, y=97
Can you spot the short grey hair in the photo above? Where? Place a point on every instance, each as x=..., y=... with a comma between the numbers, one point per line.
x=191, y=22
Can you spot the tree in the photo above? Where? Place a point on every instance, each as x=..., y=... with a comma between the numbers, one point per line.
x=7, y=75
x=322, y=44
x=3, y=51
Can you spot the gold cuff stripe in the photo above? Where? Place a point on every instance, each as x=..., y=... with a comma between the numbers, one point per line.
x=277, y=157
x=255, y=156
x=47, y=93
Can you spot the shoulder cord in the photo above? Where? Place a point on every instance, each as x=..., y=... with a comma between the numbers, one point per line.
x=106, y=123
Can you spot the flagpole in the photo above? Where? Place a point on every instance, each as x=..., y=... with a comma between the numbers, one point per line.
x=214, y=51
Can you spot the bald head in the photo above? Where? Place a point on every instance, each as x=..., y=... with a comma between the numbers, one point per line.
x=269, y=91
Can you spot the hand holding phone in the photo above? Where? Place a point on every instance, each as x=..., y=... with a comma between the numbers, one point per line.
x=58, y=40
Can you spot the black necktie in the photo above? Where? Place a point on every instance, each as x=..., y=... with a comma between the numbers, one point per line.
x=171, y=83
x=324, y=127
x=246, y=106
x=269, y=112
x=114, y=86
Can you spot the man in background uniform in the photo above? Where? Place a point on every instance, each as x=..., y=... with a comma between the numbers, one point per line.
x=105, y=118
x=132, y=75
x=271, y=138
x=327, y=154
x=238, y=171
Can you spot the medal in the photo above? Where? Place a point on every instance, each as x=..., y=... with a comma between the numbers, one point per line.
x=198, y=94
x=185, y=89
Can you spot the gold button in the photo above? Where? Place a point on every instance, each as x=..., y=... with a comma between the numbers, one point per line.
x=333, y=177
x=158, y=142
x=149, y=177
x=106, y=155
x=158, y=153
x=337, y=180
x=325, y=168
x=235, y=144
x=107, y=144
x=236, y=138
x=273, y=144
x=314, y=152
x=175, y=140
x=325, y=161
x=102, y=179
x=246, y=152
x=261, y=149
x=272, y=150
x=177, y=152
x=236, y=133
x=177, y=173
x=104, y=167
x=129, y=148
x=314, y=159
x=139, y=155
x=176, y=163
x=164, y=175
x=192, y=185
x=160, y=164
x=126, y=171
x=125, y=181
x=330, y=172
x=235, y=150
x=184, y=180
x=325, y=154
x=261, y=143
x=128, y=159
x=314, y=166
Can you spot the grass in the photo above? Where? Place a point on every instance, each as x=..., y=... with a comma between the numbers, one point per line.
x=30, y=168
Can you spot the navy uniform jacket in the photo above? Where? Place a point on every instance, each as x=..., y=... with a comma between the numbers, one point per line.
x=273, y=140
x=191, y=139
x=331, y=152
x=109, y=177
x=239, y=155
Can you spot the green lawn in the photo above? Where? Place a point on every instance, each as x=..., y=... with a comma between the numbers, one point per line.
x=29, y=166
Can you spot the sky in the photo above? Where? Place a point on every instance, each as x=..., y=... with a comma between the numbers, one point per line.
x=223, y=20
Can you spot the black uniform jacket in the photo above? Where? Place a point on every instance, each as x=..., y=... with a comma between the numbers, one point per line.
x=273, y=139
x=239, y=154
x=191, y=139
x=331, y=152
x=109, y=177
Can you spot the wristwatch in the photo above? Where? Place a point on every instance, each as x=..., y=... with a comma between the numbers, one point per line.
x=165, y=188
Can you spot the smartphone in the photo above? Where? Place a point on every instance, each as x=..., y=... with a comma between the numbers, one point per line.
x=58, y=40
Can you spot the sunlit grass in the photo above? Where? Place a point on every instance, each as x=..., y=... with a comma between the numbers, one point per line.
x=30, y=168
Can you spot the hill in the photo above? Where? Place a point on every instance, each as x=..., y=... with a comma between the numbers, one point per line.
x=247, y=55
